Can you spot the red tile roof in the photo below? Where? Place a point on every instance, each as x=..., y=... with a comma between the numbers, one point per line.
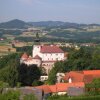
x=59, y=87
x=87, y=72
x=86, y=76
x=75, y=76
x=53, y=88
x=51, y=49
x=44, y=88
x=25, y=56
x=37, y=57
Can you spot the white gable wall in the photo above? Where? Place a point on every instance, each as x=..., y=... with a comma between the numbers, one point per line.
x=52, y=56
x=47, y=56
x=36, y=50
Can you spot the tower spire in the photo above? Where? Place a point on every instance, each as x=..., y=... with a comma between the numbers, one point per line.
x=37, y=39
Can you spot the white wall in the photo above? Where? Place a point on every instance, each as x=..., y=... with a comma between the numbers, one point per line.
x=43, y=78
x=70, y=80
x=33, y=61
x=47, y=56
x=62, y=93
x=52, y=56
x=36, y=50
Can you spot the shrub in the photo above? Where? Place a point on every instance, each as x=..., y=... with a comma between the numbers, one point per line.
x=10, y=95
x=30, y=97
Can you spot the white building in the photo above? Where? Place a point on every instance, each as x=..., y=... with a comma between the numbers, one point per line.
x=43, y=78
x=60, y=77
x=44, y=56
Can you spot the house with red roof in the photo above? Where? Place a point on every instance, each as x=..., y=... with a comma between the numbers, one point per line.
x=28, y=60
x=86, y=76
x=45, y=56
x=49, y=54
x=58, y=88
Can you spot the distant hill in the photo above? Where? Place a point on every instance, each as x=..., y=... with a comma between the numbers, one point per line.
x=55, y=24
x=47, y=23
x=19, y=24
x=60, y=24
x=50, y=24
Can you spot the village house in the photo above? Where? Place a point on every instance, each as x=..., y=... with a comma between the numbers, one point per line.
x=58, y=88
x=86, y=76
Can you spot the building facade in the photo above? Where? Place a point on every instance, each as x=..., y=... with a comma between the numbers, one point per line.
x=86, y=76
x=44, y=56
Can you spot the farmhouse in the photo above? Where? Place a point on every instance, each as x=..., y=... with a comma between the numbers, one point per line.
x=59, y=88
x=86, y=76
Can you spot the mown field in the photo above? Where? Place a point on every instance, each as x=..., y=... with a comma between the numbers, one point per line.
x=81, y=34
x=75, y=98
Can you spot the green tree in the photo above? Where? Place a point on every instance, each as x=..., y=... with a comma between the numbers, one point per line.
x=28, y=74
x=80, y=59
x=30, y=97
x=96, y=60
x=95, y=83
x=10, y=95
x=9, y=68
x=37, y=83
x=58, y=67
x=94, y=87
x=5, y=60
x=9, y=74
x=3, y=85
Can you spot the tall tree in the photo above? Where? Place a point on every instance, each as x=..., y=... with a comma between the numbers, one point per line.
x=28, y=74
x=96, y=60
x=58, y=67
x=9, y=74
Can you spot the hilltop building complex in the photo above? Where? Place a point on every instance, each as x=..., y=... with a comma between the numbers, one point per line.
x=44, y=55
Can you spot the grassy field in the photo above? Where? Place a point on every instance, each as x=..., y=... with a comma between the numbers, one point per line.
x=75, y=98
x=9, y=37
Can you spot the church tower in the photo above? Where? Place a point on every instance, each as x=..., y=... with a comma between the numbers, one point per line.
x=36, y=46
x=37, y=40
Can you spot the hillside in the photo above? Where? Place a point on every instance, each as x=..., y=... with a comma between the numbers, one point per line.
x=54, y=31
x=14, y=24
x=47, y=23
x=60, y=24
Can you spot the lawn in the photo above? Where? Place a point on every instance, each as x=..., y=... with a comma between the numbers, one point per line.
x=74, y=98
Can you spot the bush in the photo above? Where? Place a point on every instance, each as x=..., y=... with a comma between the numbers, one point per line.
x=30, y=97
x=3, y=84
x=37, y=83
x=10, y=95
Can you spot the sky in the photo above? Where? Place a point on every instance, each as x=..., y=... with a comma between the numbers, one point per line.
x=79, y=11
